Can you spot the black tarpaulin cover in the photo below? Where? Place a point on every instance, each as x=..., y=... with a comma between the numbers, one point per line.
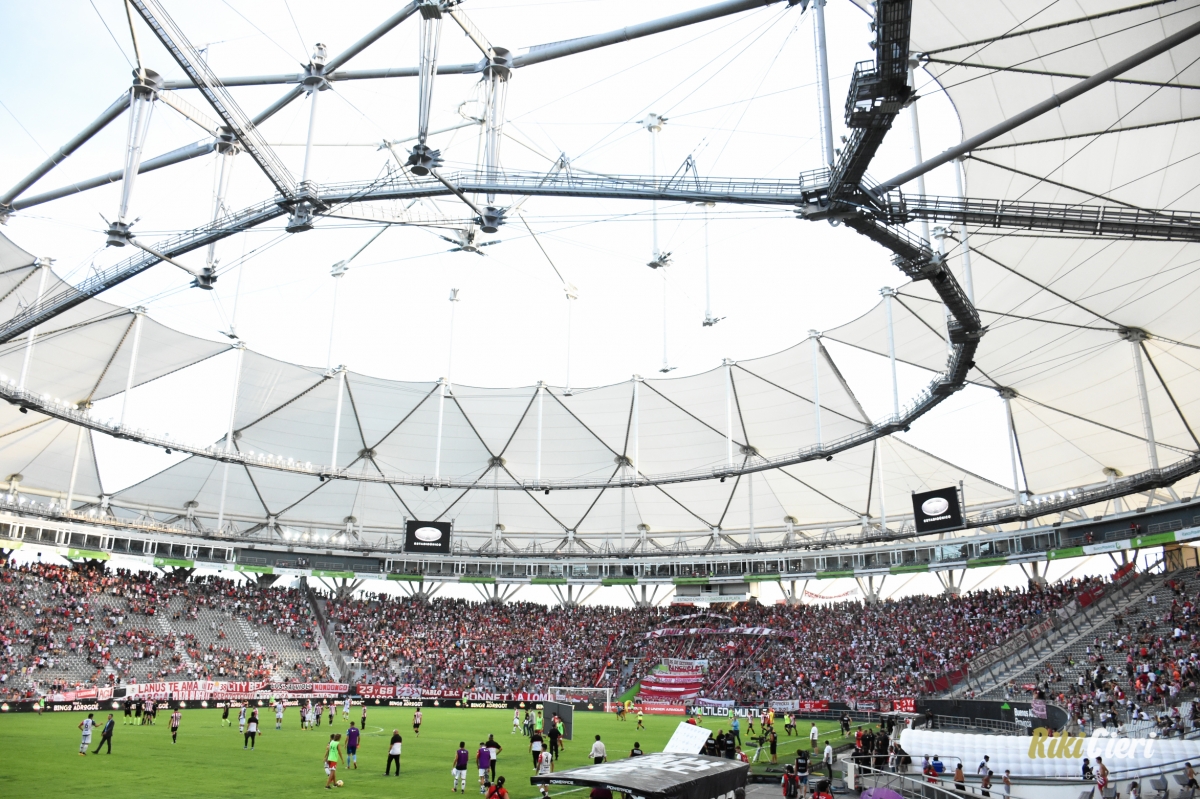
x=660, y=776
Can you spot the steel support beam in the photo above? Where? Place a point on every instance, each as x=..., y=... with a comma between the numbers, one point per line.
x=112, y=112
x=546, y=52
x=167, y=159
x=172, y=38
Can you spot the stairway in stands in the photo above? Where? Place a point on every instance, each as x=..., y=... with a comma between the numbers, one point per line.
x=1089, y=623
x=326, y=640
x=165, y=625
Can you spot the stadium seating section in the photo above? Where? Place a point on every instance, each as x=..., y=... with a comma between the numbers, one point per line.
x=61, y=628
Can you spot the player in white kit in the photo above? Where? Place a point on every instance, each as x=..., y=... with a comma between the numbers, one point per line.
x=346, y=707
x=87, y=725
x=516, y=722
x=242, y=719
x=279, y=714
x=545, y=766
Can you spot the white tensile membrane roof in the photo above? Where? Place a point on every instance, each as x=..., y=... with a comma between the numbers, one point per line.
x=390, y=427
x=1056, y=306
x=1059, y=310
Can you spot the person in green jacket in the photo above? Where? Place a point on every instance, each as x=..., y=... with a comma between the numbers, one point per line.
x=332, y=756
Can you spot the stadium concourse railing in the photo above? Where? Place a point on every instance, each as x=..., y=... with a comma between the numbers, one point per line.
x=862, y=778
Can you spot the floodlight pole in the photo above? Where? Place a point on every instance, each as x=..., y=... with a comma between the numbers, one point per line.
x=1135, y=339
x=814, y=337
x=237, y=382
x=44, y=265
x=823, y=81
x=139, y=314
x=915, y=119
x=888, y=295
x=968, y=279
x=74, y=468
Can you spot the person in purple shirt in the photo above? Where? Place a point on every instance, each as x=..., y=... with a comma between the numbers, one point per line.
x=459, y=772
x=483, y=759
x=351, y=746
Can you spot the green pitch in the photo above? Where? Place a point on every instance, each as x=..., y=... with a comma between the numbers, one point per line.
x=41, y=754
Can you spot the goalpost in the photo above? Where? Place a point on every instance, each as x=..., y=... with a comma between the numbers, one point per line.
x=591, y=698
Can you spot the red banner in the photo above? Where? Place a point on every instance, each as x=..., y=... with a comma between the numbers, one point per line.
x=375, y=691
x=904, y=705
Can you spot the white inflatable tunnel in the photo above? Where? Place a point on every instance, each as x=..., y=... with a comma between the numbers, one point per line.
x=1051, y=756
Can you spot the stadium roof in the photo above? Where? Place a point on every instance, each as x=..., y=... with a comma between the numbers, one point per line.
x=1069, y=318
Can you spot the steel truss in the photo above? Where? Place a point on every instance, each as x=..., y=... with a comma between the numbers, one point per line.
x=879, y=90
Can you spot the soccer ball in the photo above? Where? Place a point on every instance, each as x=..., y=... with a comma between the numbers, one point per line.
x=339, y=783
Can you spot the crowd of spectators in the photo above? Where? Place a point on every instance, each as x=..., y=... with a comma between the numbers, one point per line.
x=62, y=628
x=845, y=650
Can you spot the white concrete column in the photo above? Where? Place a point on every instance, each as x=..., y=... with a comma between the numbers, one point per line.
x=823, y=81
x=312, y=126
x=237, y=382
x=882, y=502
x=1135, y=339
x=728, y=413
x=540, y=394
x=888, y=295
x=914, y=118
x=337, y=417
x=814, y=337
x=437, y=457
x=753, y=539
x=1007, y=395
x=964, y=236
x=75, y=467
x=139, y=313
x=636, y=433
x=44, y=266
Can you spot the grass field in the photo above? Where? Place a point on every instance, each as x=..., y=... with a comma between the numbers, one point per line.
x=40, y=754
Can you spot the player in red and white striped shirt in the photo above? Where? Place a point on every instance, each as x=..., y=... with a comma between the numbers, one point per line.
x=175, y=717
